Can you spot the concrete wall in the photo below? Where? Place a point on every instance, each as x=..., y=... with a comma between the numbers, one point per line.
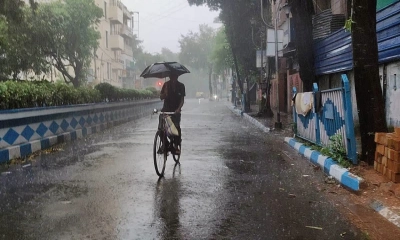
x=392, y=93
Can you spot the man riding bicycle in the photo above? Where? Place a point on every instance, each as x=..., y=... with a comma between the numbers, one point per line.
x=173, y=94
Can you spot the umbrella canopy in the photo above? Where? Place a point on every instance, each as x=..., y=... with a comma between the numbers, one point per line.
x=164, y=69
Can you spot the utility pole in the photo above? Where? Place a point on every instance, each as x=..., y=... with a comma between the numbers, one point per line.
x=278, y=123
x=268, y=111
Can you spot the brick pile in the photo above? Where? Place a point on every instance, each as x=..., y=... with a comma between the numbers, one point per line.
x=387, y=154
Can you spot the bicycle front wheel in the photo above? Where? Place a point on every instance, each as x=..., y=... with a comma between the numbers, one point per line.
x=159, y=153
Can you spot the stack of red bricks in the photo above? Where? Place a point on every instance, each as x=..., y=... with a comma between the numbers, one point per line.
x=387, y=154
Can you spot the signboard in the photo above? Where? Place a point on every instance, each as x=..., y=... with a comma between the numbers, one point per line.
x=258, y=58
x=271, y=41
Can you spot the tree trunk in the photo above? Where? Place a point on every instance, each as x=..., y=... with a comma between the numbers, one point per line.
x=302, y=11
x=268, y=109
x=231, y=35
x=248, y=105
x=239, y=81
x=210, y=69
x=15, y=75
x=370, y=101
x=76, y=81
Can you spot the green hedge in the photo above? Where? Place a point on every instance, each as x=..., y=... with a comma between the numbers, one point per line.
x=111, y=93
x=26, y=94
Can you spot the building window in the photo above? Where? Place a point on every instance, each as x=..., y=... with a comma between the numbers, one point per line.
x=105, y=10
x=90, y=75
x=106, y=39
x=109, y=71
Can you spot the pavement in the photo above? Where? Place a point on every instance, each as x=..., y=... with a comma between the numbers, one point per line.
x=362, y=182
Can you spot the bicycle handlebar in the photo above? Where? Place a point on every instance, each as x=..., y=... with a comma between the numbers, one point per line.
x=167, y=113
x=155, y=111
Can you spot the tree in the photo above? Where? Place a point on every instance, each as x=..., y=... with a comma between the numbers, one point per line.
x=302, y=11
x=370, y=101
x=14, y=40
x=236, y=17
x=66, y=33
x=168, y=55
x=221, y=55
x=12, y=9
x=3, y=48
x=196, y=50
x=20, y=50
x=144, y=59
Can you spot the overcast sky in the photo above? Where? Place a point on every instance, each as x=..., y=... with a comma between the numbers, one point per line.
x=162, y=22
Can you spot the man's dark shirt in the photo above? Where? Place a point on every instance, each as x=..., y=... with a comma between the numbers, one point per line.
x=175, y=93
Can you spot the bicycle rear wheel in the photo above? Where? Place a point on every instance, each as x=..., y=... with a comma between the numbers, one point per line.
x=159, y=153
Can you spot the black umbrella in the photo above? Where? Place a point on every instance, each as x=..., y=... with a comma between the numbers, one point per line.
x=164, y=69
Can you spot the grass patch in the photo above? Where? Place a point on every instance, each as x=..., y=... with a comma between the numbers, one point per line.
x=334, y=150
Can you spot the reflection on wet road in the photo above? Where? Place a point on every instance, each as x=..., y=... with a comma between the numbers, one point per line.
x=232, y=183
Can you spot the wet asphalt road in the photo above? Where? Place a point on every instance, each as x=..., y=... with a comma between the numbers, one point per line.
x=232, y=183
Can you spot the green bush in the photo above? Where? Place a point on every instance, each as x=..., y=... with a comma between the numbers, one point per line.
x=107, y=91
x=26, y=94
x=111, y=93
x=154, y=91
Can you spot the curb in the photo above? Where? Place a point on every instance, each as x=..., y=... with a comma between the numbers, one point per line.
x=249, y=118
x=390, y=215
x=328, y=165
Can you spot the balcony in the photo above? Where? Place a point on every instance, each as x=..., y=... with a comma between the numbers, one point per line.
x=118, y=64
x=126, y=12
x=126, y=31
x=116, y=42
x=116, y=13
x=128, y=50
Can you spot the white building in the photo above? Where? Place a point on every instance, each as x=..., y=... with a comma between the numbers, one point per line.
x=114, y=56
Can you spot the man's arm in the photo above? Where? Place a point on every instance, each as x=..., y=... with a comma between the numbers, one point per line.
x=180, y=105
x=182, y=100
x=164, y=92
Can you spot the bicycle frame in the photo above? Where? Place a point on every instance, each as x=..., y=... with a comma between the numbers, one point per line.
x=162, y=135
x=164, y=115
x=163, y=127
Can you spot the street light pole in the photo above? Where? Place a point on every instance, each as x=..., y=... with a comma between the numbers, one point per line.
x=253, y=23
x=278, y=123
x=262, y=60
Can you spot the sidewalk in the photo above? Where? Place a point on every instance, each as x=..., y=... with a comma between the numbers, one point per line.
x=376, y=193
x=286, y=120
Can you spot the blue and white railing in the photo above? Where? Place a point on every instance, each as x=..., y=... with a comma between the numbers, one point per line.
x=335, y=118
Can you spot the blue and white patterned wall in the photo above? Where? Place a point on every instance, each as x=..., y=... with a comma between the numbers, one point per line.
x=21, y=127
x=335, y=118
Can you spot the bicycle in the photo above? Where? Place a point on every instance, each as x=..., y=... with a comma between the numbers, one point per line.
x=160, y=148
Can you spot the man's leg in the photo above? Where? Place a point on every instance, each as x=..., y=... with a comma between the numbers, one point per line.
x=160, y=119
x=176, y=119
